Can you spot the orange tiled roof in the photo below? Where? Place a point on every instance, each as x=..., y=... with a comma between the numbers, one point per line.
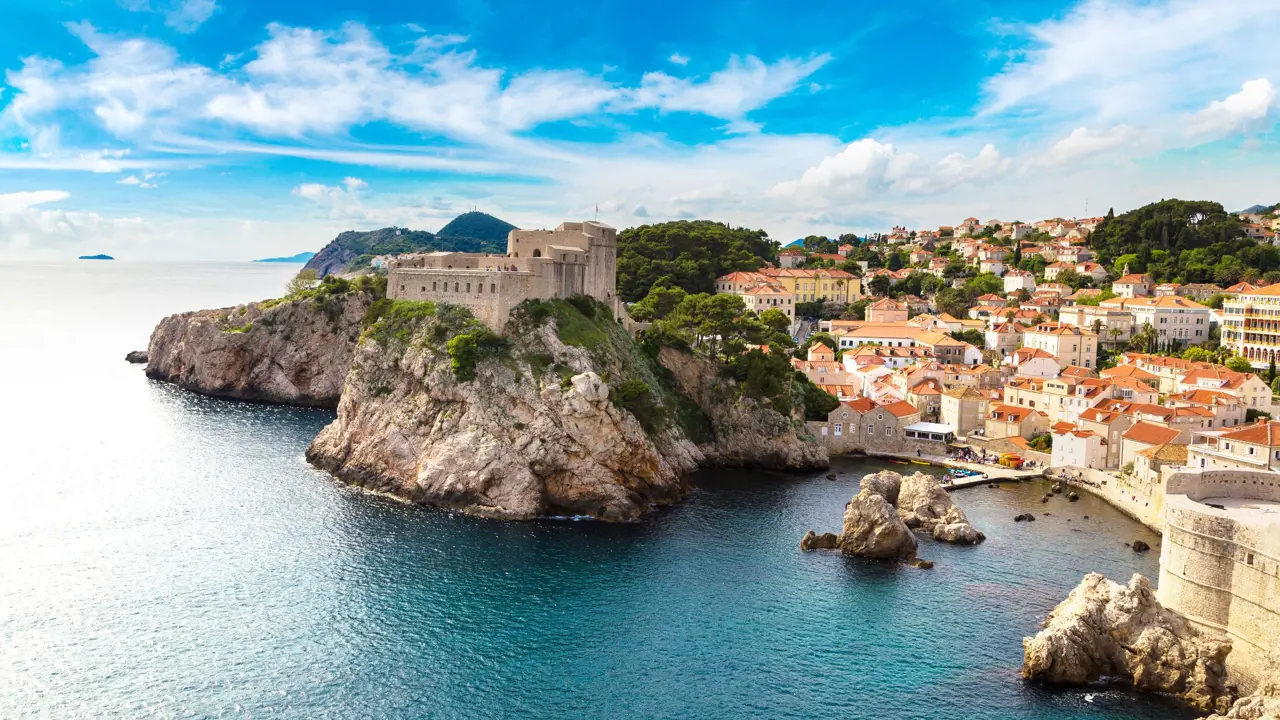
x=1150, y=433
x=1261, y=433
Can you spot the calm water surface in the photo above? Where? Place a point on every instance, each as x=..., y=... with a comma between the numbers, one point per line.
x=168, y=555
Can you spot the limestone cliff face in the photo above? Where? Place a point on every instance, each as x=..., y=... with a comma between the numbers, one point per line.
x=748, y=433
x=533, y=434
x=1108, y=630
x=1263, y=704
x=290, y=352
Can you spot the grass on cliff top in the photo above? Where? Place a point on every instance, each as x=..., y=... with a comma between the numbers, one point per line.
x=396, y=323
x=638, y=382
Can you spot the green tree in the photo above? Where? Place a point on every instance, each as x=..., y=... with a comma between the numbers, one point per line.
x=1197, y=354
x=306, y=279
x=879, y=286
x=1239, y=364
x=775, y=320
x=661, y=300
x=689, y=254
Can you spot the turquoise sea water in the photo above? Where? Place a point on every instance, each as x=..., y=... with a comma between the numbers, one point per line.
x=164, y=554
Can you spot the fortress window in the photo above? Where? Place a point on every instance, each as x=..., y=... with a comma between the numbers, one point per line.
x=468, y=287
x=402, y=288
x=1248, y=560
x=424, y=288
x=537, y=253
x=455, y=287
x=434, y=287
x=493, y=288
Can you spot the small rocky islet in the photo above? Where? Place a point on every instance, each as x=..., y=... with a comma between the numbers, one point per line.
x=881, y=520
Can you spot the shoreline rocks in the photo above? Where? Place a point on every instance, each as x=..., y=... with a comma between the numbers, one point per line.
x=1107, y=630
x=136, y=357
x=873, y=529
x=291, y=352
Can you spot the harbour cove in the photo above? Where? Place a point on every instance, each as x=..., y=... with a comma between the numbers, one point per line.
x=172, y=554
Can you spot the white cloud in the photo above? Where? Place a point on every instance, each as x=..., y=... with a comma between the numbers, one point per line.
x=302, y=82
x=188, y=15
x=1084, y=143
x=15, y=202
x=745, y=84
x=868, y=167
x=678, y=59
x=341, y=201
x=185, y=16
x=1241, y=112
x=143, y=181
x=1128, y=60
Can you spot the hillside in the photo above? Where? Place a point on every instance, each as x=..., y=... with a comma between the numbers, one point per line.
x=1185, y=241
x=689, y=254
x=481, y=228
x=469, y=232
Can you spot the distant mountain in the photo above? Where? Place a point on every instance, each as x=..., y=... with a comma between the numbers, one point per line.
x=481, y=227
x=469, y=232
x=1254, y=209
x=299, y=258
x=796, y=243
x=96, y=257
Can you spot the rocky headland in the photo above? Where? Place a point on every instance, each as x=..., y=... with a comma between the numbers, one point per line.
x=564, y=414
x=879, y=521
x=294, y=351
x=1108, y=631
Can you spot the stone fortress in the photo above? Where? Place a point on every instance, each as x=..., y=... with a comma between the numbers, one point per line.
x=1220, y=562
x=577, y=258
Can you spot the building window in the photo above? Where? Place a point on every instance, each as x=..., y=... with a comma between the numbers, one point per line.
x=493, y=288
x=433, y=287
x=468, y=287
x=424, y=288
x=871, y=429
x=839, y=427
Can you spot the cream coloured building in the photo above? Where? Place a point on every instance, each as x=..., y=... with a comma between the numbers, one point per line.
x=577, y=258
x=1251, y=324
x=1070, y=344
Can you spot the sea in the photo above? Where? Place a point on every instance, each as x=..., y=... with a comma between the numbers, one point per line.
x=169, y=555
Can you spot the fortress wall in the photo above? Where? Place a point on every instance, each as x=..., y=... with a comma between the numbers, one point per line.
x=1221, y=569
x=491, y=295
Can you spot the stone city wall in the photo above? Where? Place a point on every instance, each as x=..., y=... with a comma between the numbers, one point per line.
x=490, y=294
x=1221, y=568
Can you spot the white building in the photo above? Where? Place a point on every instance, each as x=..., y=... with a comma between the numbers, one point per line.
x=1073, y=447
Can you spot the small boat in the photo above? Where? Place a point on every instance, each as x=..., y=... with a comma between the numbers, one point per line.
x=898, y=462
x=919, y=462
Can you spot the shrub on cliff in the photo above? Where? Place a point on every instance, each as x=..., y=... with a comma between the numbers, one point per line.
x=468, y=349
x=689, y=254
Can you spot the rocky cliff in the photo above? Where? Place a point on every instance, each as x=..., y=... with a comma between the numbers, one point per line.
x=747, y=432
x=439, y=411
x=294, y=352
x=1263, y=704
x=1108, y=630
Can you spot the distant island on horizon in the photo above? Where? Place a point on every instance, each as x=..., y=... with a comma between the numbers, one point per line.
x=301, y=257
x=96, y=257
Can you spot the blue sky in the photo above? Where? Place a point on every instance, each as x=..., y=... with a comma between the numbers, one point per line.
x=229, y=129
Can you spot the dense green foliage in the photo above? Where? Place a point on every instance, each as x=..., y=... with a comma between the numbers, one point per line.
x=689, y=254
x=817, y=402
x=636, y=398
x=467, y=349
x=476, y=228
x=1182, y=241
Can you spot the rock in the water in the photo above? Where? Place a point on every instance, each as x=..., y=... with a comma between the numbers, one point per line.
x=924, y=504
x=137, y=357
x=1107, y=630
x=814, y=541
x=1057, y=488
x=921, y=563
x=831, y=476
x=1140, y=546
x=1024, y=517
x=886, y=484
x=872, y=529
x=1073, y=496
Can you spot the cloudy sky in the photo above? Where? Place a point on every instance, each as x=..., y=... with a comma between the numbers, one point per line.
x=235, y=129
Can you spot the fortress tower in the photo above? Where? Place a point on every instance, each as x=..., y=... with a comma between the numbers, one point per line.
x=576, y=258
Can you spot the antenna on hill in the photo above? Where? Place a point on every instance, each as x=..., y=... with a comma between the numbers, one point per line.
x=1086, y=207
x=597, y=215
